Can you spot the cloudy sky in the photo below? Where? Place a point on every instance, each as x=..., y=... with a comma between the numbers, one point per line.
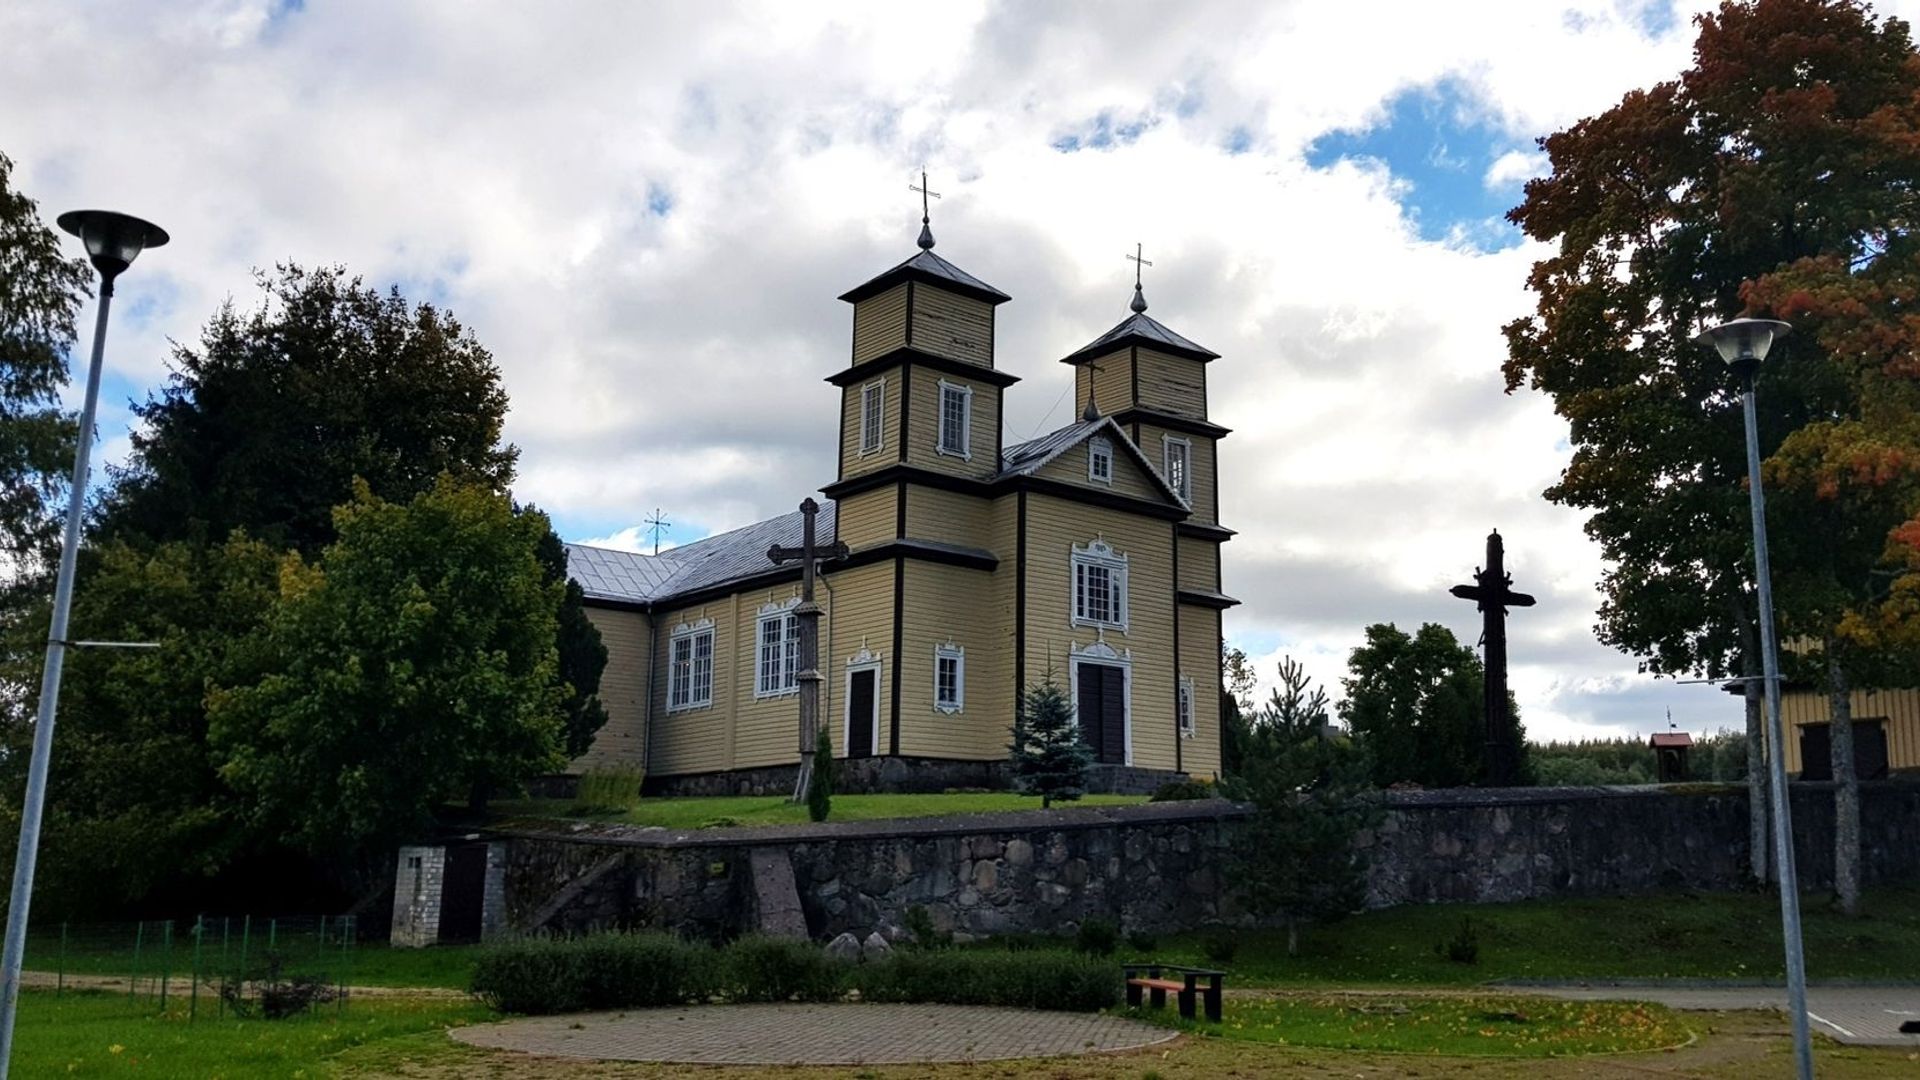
x=646, y=211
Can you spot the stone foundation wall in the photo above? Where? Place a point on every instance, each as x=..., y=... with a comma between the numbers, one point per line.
x=861, y=776
x=1163, y=866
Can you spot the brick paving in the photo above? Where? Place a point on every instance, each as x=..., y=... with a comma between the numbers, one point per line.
x=845, y=1034
x=1858, y=1015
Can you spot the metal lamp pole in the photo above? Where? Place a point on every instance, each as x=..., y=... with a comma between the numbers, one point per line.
x=1743, y=344
x=112, y=240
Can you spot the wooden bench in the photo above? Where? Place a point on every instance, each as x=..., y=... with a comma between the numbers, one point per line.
x=1185, y=983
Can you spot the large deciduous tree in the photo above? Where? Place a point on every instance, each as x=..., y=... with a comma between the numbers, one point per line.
x=1415, y=702
x=1788, y=146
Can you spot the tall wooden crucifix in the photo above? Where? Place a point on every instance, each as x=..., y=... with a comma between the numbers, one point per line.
x=809, y=554
x=1492, y=590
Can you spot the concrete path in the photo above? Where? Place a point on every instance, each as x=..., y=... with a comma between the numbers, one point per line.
x=1859, y=1015
x=847, y=1034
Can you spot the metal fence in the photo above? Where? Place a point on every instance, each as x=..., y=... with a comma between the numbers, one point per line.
x=239, y=963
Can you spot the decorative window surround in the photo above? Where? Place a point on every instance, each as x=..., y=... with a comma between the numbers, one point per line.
x=1100, y=461
x=949, y=678
x=873, y=416
x=776, y=653
x=1099, y=586
x=1186, y=707
x=1176, y=459
x=956, y=420
x=1102, y=653
x=690, y=666
x=862, y=661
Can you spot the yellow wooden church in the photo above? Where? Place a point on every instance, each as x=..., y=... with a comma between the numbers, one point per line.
x=1090, y=555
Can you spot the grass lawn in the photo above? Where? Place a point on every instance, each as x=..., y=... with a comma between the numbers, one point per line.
x=104, y=1034
x=702, y=813
x=1666, y=936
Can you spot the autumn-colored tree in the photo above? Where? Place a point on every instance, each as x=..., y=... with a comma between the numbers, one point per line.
x=1788, y=146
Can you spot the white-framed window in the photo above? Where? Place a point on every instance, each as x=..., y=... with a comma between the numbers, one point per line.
x=1186, y=707
x=1178, y=461
x=956, y=419
x=949, y=678
x=873, y=416
x=777, y=650
x=1099, y=586
x=1100, y=461
x=690, y=666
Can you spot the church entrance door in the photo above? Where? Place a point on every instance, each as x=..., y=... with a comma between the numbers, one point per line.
x=1102, y=696
x=863, y=711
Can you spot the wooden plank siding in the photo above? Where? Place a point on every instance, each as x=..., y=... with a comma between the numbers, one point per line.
x=869, y=517
x=1112, y=384
x=945, y=603
x=852, y=461
x=923, y=440
x=950, y=518
x=1900, y=709
x=1054, y=527
x=622, y=741
x=880, y=323
x=1205, y=469
x=956, y=327
x=861, y=610
x=762, y=731
x=1172, y=384
x=692, y=740
x=1200, y=661
x=1071, y=468
x=1199, y=564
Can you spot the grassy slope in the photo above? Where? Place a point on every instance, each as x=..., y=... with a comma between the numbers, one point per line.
x=775, y=810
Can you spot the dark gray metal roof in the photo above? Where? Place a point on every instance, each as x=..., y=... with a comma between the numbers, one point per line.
x=926, y=266
x=606, y=574
x=1141, y=328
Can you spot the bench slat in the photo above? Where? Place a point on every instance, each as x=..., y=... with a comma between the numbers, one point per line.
x=1159, y=984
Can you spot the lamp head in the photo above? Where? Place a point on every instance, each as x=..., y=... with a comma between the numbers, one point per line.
x=1743, y=343
x=113, y=240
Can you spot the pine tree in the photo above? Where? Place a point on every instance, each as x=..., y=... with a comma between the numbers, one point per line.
x=820, y=785
x=1049, y=757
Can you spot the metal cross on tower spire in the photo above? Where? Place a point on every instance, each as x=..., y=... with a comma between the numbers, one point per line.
x=657, y=525
x=1139, y=298
x=926, y=218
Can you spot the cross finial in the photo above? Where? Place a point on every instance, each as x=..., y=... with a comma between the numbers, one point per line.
x=1092, y=411
x=657, y=525
x=1139, y=298
x=926, y=218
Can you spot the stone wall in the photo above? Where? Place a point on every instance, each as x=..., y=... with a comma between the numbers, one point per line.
x=888, y=774
x=1162, y=867
x=416, y=896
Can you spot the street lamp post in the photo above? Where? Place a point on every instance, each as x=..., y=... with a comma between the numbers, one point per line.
x=112, y=241
x=1743, y=344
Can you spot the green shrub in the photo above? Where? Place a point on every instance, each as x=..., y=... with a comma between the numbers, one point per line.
x=1183, y=790
x=1097, y=937
x=598, y=971
x=1142, y=942
x=919, y=923
x=1035, y=979
x=820, y=784
x=608, y=789
x=1221, y=949
x=1463, y=947
x=760, y=968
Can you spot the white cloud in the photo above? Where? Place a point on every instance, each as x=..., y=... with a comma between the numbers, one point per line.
x=1513, y=168
x=504, y=159
x=636, y=538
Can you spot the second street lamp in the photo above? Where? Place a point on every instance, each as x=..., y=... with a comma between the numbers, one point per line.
x=1743, y=344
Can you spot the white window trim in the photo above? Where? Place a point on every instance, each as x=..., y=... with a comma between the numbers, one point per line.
x=692, y=634
x=958, y=655
x=1167, y=443
x=783, y=614
x=965, y=453
x=1098, y=553
x=878, y=389
x=858, y=662
x=1186, y=707
x=1102, y=653
x=1097, y=448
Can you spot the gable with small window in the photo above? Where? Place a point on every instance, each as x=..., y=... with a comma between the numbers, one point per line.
x=690, y=666
x=1177, y=466
x=1100, y=461
x=873, y=416
x=777, y=650
x=1099, y=586
x=956, y=419
x=949, y=678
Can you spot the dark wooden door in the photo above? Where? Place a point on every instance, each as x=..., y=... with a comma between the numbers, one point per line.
x=1869, y=751
x=862, y=698
x=1102, y=691
x=462, y=887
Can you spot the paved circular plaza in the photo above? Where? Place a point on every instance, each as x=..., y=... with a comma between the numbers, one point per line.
x=815, y=1034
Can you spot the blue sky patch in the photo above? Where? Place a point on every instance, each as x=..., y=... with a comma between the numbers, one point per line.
x=1439, y=143
x=659, y=200
x=1103, y=132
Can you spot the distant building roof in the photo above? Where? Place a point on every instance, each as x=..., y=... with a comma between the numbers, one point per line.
x=632, y=577
x=1672, y=738
x=1141, y=329
x=928, y=267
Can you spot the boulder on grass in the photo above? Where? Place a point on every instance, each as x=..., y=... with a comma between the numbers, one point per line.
x=875, y=946
x=845, y=947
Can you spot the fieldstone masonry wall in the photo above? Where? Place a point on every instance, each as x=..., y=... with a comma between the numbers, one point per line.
x=416, y=896
x=1162, y=866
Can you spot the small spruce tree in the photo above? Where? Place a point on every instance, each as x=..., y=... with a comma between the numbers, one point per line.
x=820, y=786
x=1049, y=757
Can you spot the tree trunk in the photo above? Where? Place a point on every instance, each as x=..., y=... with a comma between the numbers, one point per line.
x=1846, y=788
x=1293, y=937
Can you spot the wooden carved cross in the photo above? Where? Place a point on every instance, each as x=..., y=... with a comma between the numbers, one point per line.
x=809, y=554
x=1492, y=590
